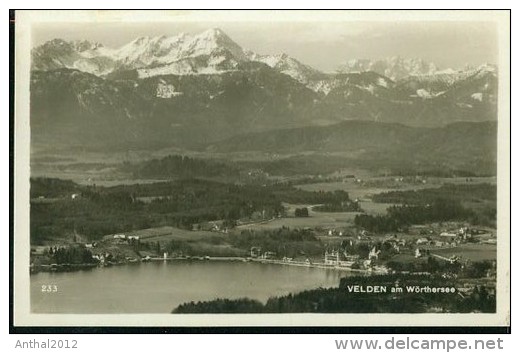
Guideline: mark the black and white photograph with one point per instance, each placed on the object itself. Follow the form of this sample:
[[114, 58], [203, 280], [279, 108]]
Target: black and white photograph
[[273, 168]]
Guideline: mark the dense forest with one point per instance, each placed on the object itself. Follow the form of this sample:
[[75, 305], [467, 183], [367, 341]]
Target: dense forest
[[176, 166], [71, 255], [52, 188], [450, 192], [282, 241], [180, 166], [400, 217], [96, 211], [349, 206], [243, 305], [474, 203]]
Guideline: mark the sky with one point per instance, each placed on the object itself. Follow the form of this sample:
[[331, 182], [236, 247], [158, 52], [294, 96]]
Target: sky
[[323, 45]]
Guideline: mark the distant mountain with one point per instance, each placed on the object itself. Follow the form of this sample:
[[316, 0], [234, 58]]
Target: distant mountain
[[426, 100], [290, 66], [356, 135], [442, 81], [208, 52], [81, 55], [464, 146], [72, 107], [187, 90], [395, 68]]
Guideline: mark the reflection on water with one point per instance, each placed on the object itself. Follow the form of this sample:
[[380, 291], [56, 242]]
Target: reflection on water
[[159, 287]]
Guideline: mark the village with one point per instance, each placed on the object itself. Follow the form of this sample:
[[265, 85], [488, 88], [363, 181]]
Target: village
[[344, 250], [378, 227]]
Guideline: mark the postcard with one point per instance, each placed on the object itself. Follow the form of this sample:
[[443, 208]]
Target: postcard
[[261, 168]]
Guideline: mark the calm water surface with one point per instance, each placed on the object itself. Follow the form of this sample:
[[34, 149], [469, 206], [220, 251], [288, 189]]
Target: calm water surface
[[159, 287]]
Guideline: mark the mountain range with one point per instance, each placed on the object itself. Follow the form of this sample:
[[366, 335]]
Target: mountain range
[[395, 68], [192, 90]]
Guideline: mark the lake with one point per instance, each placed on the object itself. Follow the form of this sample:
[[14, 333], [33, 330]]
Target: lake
[[159, 287]]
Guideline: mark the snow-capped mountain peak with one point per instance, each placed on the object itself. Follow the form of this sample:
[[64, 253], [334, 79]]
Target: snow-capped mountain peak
[[210, 40], [209, 52], [214, 52], [394, 67], [141, 53], [286, 65], [84, 45]]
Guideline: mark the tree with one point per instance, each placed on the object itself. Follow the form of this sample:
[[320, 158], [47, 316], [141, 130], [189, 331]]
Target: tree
[[301, 212]]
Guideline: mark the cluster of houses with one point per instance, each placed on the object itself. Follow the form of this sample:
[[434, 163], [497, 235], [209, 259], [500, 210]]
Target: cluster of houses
[[397, 180], [334, 232], [256, 253], [212, 226], [396, 243], [124, 239], [103, 258], [335, 258], [447, 238]]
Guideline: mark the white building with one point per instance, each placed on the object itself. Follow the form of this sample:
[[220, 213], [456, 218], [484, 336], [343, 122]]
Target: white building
[[331, 258], [374, 254]]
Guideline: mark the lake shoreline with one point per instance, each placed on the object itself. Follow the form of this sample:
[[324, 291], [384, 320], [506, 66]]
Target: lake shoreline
[[79, 267]]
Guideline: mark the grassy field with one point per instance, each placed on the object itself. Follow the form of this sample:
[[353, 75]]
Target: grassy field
[[201, 243], [165, 234], [474, 252], [366, 187], [355, 191], [325, 220], [364, 190]]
